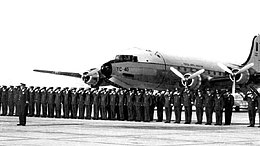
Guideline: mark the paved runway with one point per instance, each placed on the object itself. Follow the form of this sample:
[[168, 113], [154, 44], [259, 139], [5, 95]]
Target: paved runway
[[51, 131]]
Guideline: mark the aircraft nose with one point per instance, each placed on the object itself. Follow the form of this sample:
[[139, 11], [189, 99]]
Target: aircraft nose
[[106, 69]]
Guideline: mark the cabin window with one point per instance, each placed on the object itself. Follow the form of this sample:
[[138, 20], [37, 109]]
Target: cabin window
[[185, 69], [214, 73], [124, 58]]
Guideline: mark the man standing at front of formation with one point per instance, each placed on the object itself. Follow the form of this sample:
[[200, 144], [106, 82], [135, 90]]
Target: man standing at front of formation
[[187, 102], [22, 105]]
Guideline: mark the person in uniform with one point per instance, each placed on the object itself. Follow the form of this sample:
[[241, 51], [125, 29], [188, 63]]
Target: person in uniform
[[251, 99], [50, 102], [11, 100], [4, 100], [199, 100], [229, 103], [209, 106], [167, 106], [121, 102], [152, 105], [177, 103], [218, 107], [187, 102], [57, 102], [22, 105], [16, 95], [88, 103], [37, 101], [74, 107], [81, 101], [31, 101], [96, 103], [66, 102], [113, 103], [147, 103], [103, 104], [130, 104], [159, 98], [138, 104], [44, 101]]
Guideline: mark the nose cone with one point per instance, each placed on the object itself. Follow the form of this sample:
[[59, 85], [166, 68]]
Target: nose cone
[[106, 69]]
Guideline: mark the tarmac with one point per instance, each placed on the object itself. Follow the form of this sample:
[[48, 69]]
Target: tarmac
[[77, 132]]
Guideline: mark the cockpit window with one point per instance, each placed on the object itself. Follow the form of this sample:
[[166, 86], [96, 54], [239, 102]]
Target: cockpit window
[[129, 58]]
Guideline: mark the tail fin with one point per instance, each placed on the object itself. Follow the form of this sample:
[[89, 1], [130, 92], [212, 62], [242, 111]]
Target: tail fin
[[254, 56]]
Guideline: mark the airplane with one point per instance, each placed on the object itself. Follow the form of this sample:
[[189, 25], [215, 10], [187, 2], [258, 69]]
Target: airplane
[[146, 69]]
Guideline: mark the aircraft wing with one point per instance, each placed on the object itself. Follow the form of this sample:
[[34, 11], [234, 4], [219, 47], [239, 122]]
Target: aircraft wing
[[71, 74]]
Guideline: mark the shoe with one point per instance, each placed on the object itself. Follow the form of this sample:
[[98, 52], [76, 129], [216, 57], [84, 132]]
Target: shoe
[[177, 122], [158, 120], [20, 124], [208, 124], [198, 123], [258, 126], [167, 122], [187, 123], [251, 126]]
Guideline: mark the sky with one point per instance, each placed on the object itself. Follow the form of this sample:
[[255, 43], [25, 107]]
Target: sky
[[78, 35]]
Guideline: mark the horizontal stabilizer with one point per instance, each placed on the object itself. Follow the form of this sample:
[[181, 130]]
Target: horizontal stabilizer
[[71, 74]]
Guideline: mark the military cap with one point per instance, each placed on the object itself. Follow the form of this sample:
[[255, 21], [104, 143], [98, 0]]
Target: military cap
[[58, 87], [50, 88], [11, 86], [31, 86], [22, 84]]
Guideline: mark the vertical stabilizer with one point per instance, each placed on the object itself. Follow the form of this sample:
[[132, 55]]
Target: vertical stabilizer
[[254, 56]]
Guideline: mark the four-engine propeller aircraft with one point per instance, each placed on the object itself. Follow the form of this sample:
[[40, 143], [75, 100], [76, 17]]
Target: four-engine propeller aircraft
[[138, 68]]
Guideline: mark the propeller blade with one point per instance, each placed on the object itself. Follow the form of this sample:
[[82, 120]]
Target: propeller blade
[[196, 74], [245, 68], [176, 72], [225, 68], [234, 87]]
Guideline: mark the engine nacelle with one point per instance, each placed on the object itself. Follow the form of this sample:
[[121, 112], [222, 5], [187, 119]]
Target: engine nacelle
[[241, 78], [91, 77], [194, 83]]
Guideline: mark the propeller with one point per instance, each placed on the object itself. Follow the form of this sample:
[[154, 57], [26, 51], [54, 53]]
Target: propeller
[[233, 74], [185, 79]]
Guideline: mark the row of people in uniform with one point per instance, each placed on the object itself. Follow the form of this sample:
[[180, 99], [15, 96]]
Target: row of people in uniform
[[122, 104]]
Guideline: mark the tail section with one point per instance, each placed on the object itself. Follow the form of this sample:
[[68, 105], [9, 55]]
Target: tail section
[[254, 56]]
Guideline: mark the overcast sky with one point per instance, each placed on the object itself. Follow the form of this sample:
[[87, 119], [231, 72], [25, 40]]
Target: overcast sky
[[78, 35]]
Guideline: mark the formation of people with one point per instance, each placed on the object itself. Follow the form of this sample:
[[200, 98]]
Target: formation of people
[[122, 104]]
